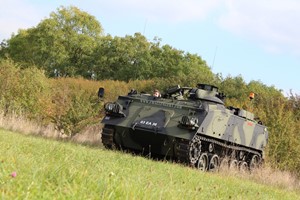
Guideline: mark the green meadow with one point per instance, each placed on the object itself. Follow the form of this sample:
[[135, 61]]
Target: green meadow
[[38, 168]]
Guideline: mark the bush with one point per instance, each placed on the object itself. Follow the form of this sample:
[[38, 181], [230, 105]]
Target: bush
[[23, 91], [74, 104]]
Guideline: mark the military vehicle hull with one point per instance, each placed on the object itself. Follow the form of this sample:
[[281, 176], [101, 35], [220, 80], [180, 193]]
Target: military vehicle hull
[[201, 132]]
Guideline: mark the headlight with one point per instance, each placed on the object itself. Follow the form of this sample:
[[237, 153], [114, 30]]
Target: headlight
[[190, 122], [114, 109], [109, 107]]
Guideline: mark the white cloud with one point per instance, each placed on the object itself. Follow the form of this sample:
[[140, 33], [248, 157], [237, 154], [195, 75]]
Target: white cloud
[[274, 24]]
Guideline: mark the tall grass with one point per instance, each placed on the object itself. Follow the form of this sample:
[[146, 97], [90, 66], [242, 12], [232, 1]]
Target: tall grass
[[18, 123], [267, 176], [35, 168]]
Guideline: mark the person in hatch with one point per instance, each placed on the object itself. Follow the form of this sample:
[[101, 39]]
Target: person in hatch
[[156, 93]]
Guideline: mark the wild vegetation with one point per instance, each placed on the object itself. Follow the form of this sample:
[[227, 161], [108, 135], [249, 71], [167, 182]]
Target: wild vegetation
[[50, 74]]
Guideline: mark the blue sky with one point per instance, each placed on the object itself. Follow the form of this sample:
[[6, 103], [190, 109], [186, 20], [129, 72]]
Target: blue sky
[[257, 39]]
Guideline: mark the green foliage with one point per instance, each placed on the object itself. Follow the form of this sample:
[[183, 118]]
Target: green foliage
[[74, 104], [117, 58], [133, 57], [34, 93], [284, 143], [23, 91], [45, 169], [294, 101], [234, 88], [61, 44], [9, 86]]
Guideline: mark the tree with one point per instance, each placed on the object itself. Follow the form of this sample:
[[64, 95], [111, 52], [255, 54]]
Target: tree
[[134, 57], [70, 43], [61, 44], [123, 58], [234, 87]]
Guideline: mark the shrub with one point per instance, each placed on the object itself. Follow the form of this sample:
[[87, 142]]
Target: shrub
[[23, 91]]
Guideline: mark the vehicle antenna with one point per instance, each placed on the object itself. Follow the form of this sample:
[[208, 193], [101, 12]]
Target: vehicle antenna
[[145, 27], [213, 62]]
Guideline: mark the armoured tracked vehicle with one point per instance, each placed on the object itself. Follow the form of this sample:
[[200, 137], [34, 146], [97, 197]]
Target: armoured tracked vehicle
[[190, 125]]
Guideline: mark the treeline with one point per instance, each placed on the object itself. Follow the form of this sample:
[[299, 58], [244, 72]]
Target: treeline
[[71, 43], [51, 74]]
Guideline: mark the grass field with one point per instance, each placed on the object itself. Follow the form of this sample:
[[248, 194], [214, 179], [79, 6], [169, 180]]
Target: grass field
[[38, 168]]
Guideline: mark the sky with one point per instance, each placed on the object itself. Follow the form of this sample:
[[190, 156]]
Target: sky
[[257, 39]]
